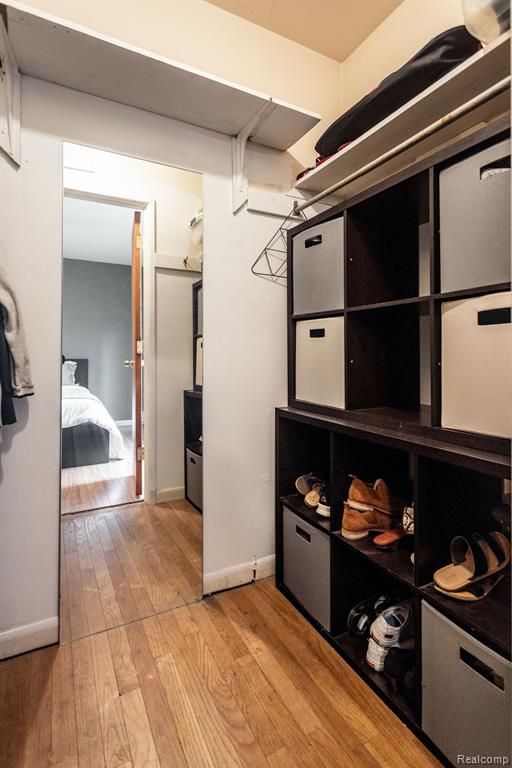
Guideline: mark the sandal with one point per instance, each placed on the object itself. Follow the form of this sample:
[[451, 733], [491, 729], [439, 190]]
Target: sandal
[[474, 592], [473, 560]]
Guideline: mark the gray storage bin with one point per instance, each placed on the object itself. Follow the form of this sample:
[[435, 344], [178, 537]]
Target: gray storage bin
[[320, 361], [318, 282], [307, 566], [474, 211], [466, 691], [194, 475]]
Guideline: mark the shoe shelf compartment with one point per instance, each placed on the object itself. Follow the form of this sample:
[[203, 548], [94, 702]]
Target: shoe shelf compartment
[[355, 581], [398, 244], [453, 493]]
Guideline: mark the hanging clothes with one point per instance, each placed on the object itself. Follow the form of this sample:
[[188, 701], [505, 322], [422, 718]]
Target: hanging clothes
[[15, 337], [7, 412]]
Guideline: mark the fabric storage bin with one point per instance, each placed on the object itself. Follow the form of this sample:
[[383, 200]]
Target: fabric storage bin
[[194, 472], [465, 691], [476, 365], [320, 361], [307, 566], [199, 362], [318, 281], [474, 211]]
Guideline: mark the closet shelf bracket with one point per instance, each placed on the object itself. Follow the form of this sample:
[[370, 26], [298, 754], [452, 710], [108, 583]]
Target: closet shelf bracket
[[239, 155], [10, 98]]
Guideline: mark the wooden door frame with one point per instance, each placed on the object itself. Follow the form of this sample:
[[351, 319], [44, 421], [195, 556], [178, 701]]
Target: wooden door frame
[[147, 209]]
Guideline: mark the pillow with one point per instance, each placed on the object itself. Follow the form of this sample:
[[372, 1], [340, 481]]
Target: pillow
[[68, 372]]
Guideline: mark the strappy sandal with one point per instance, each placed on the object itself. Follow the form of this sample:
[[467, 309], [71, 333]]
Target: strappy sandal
[[312, 499], [473, 560], [474, 592]]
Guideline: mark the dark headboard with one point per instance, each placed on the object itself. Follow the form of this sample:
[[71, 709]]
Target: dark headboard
[[82, 370]]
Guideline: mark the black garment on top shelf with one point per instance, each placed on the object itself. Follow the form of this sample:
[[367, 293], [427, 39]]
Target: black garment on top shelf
[[7, 406]]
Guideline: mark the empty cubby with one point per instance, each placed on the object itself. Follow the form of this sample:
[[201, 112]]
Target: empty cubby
[[388, 243], [388, 354]]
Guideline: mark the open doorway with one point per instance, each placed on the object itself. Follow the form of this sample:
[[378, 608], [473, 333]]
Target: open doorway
[[132, 331], [101, 357]]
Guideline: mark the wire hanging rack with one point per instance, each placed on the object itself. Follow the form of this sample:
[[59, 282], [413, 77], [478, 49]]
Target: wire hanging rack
[[271, 263]]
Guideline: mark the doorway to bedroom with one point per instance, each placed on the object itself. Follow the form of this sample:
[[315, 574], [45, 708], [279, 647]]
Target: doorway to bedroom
[[102, 414]]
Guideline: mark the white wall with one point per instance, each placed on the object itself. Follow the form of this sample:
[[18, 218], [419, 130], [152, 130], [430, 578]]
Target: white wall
[[177, 196], [244, 355], [407, 29]]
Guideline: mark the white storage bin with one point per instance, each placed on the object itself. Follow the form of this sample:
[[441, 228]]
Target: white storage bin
[[474, 211], [199, 362], [318, 268], [320, 362], [466, 696], [477, 365]]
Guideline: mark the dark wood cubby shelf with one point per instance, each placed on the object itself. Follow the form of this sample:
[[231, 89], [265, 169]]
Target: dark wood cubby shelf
[[295, 502], [396, 563], [391, 425], [353, 649]]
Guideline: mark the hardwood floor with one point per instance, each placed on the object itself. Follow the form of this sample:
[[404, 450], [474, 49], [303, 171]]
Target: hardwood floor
[[240, 679], [100, 485], [127, 563]]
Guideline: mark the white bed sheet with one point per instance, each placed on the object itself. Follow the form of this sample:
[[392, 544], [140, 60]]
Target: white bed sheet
[[79, 406]]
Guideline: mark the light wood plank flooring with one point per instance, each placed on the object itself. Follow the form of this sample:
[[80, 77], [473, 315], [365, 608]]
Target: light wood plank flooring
[[238, 680], [127, 563], [100, 485]]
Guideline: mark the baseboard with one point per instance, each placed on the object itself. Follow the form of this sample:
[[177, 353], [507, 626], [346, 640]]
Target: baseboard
[[238, 575], [124, 423], [169, 494], [29, 637]]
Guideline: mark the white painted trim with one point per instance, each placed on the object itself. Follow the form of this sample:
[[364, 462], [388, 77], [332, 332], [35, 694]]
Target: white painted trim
[[10, 99], [238, 575], [169, 494], [28, 637], [124, 423], [149, 369], [265, 567]]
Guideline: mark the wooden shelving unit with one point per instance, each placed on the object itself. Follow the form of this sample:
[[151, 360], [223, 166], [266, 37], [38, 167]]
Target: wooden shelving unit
[[466, 81], [391, 424]]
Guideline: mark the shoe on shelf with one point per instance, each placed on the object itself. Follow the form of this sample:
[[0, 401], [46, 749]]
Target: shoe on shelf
[[408, 520], [389, 539], [323, 509], [357, 524], [312, 499], [376, 655], [305, 483], [365, 497], [389, 625], [364, 613]]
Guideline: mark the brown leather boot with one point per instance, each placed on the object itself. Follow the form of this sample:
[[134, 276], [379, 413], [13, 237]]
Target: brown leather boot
[[365, 497], [356, 524]]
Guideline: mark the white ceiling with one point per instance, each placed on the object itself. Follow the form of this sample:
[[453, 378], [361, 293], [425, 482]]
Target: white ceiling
[[332, 27], [97, 231]]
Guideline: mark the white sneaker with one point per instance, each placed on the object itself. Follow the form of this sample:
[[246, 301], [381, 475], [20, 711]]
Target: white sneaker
[[389, 625], [376, 655]]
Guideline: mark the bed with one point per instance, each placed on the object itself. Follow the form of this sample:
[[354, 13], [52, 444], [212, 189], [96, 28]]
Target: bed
[[89, 434]]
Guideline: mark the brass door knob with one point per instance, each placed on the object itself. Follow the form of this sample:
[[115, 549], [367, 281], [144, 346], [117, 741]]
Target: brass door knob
[[129, 363]]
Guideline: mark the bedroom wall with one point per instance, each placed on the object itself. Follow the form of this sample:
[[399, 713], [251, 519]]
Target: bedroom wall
[[96, 324], [244, 356], [222, 44], [407, 29]]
